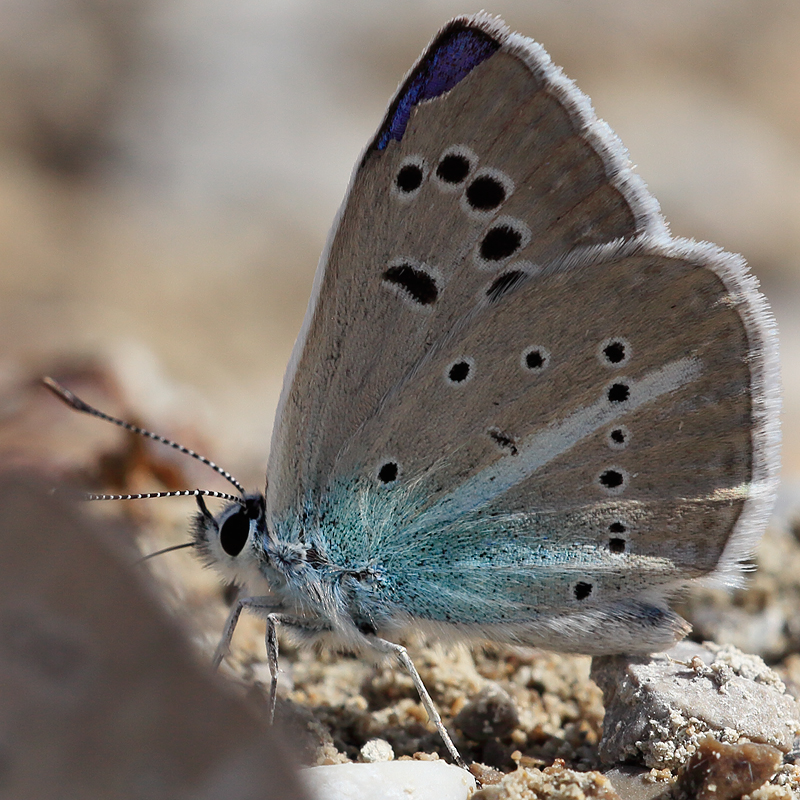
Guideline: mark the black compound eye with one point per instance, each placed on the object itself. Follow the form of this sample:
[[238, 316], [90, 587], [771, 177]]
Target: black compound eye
[[234, 532]]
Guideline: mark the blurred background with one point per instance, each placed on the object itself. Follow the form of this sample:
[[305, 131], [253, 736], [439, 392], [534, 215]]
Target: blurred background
[[169, 171]]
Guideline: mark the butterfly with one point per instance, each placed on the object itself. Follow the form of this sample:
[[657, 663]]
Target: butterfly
[[518, 410]]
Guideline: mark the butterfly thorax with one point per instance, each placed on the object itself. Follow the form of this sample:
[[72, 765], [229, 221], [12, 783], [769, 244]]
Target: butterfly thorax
[[293, 565]]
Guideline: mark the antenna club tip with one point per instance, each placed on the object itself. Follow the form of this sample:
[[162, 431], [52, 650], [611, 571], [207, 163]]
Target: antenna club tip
[[63, 394], [52, 385]]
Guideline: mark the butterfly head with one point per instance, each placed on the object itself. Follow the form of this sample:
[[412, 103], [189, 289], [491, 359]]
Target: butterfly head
[[232, 540]]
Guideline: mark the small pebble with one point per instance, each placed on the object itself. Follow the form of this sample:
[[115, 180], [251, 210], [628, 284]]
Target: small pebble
[[726, 771], [377, 750], [490, 714]]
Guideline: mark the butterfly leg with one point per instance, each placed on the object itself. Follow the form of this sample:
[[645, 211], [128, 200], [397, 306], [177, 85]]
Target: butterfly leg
[[271, 640], [259, 603], [401, 654]]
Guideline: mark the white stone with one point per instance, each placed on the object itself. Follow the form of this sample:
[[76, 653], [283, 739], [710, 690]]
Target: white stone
[[377, 750], [391, 780]]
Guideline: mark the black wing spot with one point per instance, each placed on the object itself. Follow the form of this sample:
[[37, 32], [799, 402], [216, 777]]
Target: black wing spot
[[535, 358], [409, 178], [485, 193], [612, 479], [582, 590], [616, 544], [505, 283], [388, 472], [500, 242], [459, 371], [614, 352], [619, 393], [415, 283], [453, 168], [504, 441], [617, 436]]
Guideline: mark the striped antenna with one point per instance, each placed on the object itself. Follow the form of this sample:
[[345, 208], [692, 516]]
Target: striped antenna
[[67, 397], [180, 493]]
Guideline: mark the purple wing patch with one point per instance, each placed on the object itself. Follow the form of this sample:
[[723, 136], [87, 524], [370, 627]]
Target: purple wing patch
[[449, 60]]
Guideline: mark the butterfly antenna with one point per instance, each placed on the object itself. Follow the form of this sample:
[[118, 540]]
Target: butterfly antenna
[[67, 397]]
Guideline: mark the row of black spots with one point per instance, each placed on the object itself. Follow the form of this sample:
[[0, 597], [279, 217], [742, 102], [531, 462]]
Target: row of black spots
[[617, 539], [614, 352], [416, 283], [462, 370], [504, 239], [617, 544], [484, 190]]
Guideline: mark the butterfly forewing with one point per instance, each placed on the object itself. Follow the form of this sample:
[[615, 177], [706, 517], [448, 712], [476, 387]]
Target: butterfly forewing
[[382, 228]]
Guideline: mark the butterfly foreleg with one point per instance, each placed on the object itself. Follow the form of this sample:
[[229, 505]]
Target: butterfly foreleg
[[266, 603]]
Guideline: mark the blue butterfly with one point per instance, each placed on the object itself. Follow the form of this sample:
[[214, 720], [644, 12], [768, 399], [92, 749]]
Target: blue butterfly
[[518, 409]]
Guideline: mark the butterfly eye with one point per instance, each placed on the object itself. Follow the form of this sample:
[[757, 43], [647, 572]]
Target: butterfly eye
[[234, 533]]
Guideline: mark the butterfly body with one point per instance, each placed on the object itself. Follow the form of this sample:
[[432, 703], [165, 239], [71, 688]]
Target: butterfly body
[[518, 409]]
